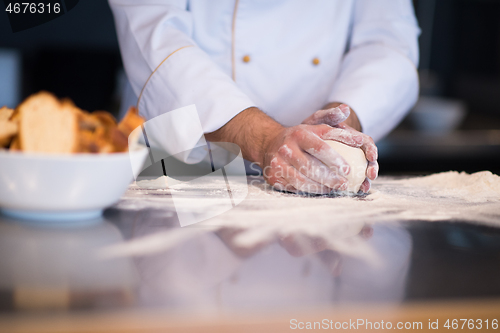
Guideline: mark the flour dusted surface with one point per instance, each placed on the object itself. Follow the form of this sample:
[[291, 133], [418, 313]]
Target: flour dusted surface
[[154, 184], [478, 187], [448, 196], [267, 214]]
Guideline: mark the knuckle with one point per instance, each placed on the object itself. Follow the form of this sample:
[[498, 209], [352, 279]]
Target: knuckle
[[298, 133], [317, 114]]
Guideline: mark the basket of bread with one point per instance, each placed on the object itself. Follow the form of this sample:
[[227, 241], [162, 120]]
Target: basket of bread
[[58, 162]]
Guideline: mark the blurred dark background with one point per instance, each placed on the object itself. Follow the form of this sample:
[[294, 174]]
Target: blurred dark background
[[75, 55], [454, 126]]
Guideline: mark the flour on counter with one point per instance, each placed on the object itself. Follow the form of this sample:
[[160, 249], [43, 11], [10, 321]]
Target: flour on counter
[[448, 196], [158, 183], [481, 186], [268, 214]]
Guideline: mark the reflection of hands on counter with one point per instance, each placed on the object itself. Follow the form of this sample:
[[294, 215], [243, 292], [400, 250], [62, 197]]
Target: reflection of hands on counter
[[297, 244], [215, 268]]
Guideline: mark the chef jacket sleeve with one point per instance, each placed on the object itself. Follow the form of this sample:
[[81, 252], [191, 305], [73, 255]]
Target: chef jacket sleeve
[[168, 71], [378, 77]]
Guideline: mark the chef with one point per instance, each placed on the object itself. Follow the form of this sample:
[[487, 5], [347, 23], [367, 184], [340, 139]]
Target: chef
[[275, 77]]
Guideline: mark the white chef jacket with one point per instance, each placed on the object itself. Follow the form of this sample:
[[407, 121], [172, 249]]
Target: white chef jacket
[[287, 57]]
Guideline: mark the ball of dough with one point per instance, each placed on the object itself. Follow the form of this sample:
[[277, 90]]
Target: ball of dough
[[356, 159]]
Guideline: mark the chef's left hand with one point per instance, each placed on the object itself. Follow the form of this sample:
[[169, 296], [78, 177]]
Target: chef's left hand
[[341, 116]]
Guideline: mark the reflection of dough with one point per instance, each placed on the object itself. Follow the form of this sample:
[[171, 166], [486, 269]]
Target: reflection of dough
[[356, 159]]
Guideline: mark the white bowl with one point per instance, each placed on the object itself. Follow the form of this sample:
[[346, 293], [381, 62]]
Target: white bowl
[[437, 115], [64, 187]]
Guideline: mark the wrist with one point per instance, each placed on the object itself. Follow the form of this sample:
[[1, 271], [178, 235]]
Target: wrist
[[252, 130], [270, 130]]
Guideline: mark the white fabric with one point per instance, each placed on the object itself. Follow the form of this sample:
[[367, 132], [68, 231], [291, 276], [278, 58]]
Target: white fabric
[[162, 145], [367, 51]]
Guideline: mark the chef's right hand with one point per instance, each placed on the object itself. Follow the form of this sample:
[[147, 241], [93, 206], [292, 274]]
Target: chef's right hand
[[294, 159], [297, 159]]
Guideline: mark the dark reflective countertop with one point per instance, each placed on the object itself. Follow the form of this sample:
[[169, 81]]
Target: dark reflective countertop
[[142, 259]]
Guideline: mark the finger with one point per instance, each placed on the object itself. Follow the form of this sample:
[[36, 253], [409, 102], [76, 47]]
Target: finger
[[365, 186], [370, 149], [367, 144], [372, 170], [286, 178], [345, 136], [281, 168], [311, 142], [282, 185], [274, 176], [299, 245], [228, 235], [332, 116], [312, 168], [303, 184]]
